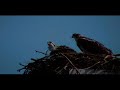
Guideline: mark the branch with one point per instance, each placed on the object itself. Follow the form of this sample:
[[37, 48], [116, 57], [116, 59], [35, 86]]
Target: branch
[[21, 64], [41, 52], [33, 59], [70, 62], [62, 68], [92, 65], [21, 69], [116, 55]]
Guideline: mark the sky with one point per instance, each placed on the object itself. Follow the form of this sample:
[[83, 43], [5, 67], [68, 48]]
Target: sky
[[21, 35]]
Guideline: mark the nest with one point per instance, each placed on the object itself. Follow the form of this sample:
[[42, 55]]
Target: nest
[[72, 63]]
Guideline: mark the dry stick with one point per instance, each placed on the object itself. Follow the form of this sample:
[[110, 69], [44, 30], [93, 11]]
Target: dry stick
[[21, 64], [41, 52], [33, 59], [116, 54], [92, 65], [107, 62], [20, 69], [70, 63], [112, 59], [62, 68]]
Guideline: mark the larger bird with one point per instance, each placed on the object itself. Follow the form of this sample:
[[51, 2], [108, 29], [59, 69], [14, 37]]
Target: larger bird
[[91, 46], [88, 45]]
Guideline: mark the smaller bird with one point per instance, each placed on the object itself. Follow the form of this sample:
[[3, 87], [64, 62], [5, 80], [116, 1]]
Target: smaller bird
[[51, 46], [91, 46], [59, 49]]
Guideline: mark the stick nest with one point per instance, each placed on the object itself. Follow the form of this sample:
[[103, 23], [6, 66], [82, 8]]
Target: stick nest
[[71, 63]]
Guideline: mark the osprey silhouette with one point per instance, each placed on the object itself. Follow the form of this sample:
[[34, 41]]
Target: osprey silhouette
[[91, 46], [88, 45]]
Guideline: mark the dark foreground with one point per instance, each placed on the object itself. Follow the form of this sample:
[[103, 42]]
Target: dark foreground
[[60, 81]]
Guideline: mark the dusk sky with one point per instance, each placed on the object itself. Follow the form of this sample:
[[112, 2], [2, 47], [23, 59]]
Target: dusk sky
[[21, 35]]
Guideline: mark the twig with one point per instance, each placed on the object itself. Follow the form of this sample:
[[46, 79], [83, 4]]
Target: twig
[[107, 62], [33, 59], [20, 69], [41, 52], [21, 64], [116, 55], [92, 65], [70, 62], [62, 68]]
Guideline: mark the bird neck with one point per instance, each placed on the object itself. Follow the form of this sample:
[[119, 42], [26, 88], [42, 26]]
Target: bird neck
[[76, 39]]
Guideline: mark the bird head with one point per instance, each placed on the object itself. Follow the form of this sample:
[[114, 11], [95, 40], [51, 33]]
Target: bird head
[[51, 46], [75, 35]]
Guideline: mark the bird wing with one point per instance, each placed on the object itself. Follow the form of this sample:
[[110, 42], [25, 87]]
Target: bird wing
[[93, 42], [94, 45]]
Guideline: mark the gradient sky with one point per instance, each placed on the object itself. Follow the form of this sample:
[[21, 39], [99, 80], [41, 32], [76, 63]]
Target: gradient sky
[[20, 36]]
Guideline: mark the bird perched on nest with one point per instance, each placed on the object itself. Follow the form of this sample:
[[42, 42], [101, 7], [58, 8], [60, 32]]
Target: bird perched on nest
[[59, 49], [90, 46]]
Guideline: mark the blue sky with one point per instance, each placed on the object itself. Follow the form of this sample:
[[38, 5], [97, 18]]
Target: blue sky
[[21, 35]]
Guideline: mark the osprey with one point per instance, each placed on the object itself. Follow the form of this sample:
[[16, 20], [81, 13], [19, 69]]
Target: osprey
[[59, 49], [87, 45]]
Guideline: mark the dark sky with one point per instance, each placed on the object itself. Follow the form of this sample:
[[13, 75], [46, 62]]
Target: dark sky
[[20, 36]]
